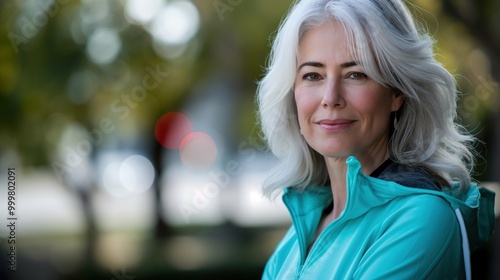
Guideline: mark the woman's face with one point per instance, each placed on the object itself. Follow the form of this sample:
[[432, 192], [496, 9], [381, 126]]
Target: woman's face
[[341, 111]]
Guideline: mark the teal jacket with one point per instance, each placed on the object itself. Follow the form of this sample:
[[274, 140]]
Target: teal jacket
[[386, 231]]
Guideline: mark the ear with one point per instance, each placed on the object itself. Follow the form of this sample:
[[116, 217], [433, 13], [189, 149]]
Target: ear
[[397, 101]]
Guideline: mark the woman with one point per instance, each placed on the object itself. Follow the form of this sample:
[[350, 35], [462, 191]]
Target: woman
[[374, 170]]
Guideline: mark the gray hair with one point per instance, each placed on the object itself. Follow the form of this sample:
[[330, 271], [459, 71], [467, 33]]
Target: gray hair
[[392, 51]]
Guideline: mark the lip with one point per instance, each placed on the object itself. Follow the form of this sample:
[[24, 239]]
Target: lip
[[335, 125]]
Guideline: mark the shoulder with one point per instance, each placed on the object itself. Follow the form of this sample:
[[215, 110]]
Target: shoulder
[[409, 176], [427, 217], [424, 207], [422, 232]]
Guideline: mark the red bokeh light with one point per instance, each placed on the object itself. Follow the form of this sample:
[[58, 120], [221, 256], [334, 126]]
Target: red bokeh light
[[171, 128]]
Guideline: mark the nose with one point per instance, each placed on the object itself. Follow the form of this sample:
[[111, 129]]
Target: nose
[[333, 97]]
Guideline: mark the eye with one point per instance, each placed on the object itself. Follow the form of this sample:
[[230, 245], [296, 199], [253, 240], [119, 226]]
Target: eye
[[358, 76], [311, 77]]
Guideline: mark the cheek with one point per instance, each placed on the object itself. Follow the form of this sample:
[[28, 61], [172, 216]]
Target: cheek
[[306, 102], [304, 109], [372, 102], [367, 106]]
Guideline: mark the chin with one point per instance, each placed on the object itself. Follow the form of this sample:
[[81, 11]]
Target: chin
[[334, 153], [332, 150]]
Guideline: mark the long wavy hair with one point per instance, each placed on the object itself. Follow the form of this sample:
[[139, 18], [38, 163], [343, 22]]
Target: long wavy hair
[[394, 52]]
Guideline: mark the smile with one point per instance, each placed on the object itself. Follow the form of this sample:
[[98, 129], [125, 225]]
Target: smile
[[335, 125]]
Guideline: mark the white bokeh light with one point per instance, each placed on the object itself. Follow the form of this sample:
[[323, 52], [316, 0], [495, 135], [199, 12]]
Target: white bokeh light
[[137, 174], [104, 45], [142, 11], [176, 23], [111, 180], [169, 51]]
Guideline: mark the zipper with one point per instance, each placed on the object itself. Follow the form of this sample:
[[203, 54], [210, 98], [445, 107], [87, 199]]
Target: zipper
[[317, 247], [304, 257]]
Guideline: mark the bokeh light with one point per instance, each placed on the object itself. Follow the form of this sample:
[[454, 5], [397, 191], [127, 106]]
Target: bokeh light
[[137, 174], [169, 51], [124, 174], [111, 180], [198, 150], [171, 128], [99, 196], [103, 45], [176, 23], [142, 12]]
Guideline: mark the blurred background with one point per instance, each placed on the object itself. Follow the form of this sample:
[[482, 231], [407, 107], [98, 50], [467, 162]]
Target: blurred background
[[131, 127]]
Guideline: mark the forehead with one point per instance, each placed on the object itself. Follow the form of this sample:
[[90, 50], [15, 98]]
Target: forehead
[[327, 40]]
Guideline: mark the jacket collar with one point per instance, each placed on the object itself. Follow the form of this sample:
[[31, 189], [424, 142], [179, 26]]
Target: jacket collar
[[365, 192]]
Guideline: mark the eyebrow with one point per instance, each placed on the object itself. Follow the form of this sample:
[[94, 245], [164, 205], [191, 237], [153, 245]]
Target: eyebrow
[[321, 65]]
